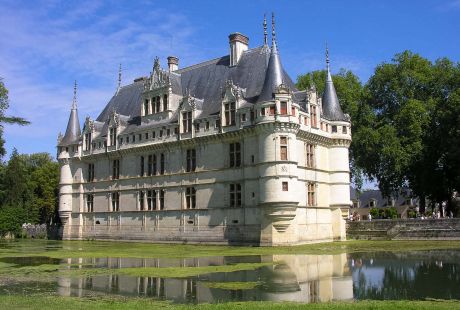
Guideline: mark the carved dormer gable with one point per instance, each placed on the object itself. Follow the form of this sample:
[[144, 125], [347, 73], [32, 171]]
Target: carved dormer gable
[[88, 134], [159, 78], [88, 126], [114, 119], [232, 98]]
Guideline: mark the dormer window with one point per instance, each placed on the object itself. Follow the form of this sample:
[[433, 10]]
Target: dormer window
[[112, 136], [165, 102], [158, 103], [146, 107], [313, 116], [283, 107], [372, 203], [334, 129], [229, 112], [87, 141], [186, 121]]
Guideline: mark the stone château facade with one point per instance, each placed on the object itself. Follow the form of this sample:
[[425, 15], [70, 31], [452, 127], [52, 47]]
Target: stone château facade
[[224, 151]]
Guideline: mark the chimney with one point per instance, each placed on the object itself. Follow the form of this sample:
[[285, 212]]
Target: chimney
[[173, 63], [238, 44]]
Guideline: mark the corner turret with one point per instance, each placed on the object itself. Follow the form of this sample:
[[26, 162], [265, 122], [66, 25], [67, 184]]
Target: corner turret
[[330, 101]]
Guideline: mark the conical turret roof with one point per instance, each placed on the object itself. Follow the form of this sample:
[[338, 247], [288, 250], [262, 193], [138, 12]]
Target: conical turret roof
[[331, 105], [72, 133]]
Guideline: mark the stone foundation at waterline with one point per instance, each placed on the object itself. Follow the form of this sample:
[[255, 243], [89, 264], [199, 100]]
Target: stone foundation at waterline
[[428, 229]]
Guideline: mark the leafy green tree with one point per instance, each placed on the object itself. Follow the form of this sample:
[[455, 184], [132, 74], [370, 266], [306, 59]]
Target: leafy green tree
[[4, 119]]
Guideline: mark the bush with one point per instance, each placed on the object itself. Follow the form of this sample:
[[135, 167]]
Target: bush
[[11, 219], [374, 212], [391, 213]]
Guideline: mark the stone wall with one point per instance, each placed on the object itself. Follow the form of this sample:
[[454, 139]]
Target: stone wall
[[410, 229]]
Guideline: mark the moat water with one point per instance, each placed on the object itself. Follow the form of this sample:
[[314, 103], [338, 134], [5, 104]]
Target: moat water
[[300, 278]]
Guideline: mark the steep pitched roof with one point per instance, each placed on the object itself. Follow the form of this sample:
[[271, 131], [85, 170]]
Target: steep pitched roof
[[273, 75], [205, 81], [331, 105], [72, 133]]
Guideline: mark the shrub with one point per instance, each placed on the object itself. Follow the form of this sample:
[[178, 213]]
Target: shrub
[[11, 219]]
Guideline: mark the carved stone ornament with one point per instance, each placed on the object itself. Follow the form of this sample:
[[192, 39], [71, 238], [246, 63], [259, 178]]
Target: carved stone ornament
[[283, 89]]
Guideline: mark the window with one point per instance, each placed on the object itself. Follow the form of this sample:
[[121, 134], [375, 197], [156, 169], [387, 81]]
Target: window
[[127, 139], [217, 123], [243, 117], [235, 154], [158, 103], [372, 203], [146, 107], [165, 102], [161, 133], [235, 195], [151, 200], [207, 125], [283, 107], [141, 200], [262, 111], [162, 199], [334, 129], [272, 110], [152, 105], [285, 186], [140, 137], [87, 141], [283, 148], [89, 203], [162, 164], [252, 115], [313, 122], [229, 113], [168, 132], [293, 111], [153, 134], [311, 195], [186, 121], [146, 135], [190, 198], [116, 169], [310, 151], [191, 160], [116, 202], [197, 127], [142, 166], [120, 141], [152, 165], [113, 136], [133, 138], [344, 129], [90, 172]]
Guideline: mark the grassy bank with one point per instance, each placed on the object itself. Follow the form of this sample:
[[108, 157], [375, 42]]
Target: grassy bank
[[52, 302], [75, 249]]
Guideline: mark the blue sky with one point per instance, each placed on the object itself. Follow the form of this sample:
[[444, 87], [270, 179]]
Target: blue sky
[[46, 45]]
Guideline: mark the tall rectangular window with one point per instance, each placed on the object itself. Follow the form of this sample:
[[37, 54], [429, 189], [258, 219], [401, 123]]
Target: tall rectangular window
[[229, 113], [310, 151], [235, 154], [151, 200], [87, 141], [162, 164], [115, 201], [313, 121], [152, 105], [90, 172], [113, 136], [283, 107], [152, 165], [311, 194], [334, 129], [272, 110], [283, 148], [158, 104], [235, 195], [186, 121], [142, 170], [165, 102], [89, 203], [115, 169], [146, 107], [191, 160], [190, 197], [162, 199], [141, 201], [293, 111]]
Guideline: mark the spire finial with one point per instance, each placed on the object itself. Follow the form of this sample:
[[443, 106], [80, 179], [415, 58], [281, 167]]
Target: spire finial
[[119, 79], [265, 30], [273, 28], [74, 101], [327, 57]]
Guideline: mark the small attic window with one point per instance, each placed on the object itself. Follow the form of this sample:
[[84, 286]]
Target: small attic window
[[344, 129], [334, 129]]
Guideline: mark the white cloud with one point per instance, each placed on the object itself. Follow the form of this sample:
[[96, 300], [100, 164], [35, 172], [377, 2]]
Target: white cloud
[[52, 43]]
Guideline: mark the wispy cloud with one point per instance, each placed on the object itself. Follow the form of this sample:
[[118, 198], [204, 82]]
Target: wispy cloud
[[52, 43]]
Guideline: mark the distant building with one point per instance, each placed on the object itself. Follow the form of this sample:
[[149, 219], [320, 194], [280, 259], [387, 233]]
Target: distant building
[[224, 151], [368, 199]]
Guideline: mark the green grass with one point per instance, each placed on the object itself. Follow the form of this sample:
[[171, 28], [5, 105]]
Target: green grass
[[76, 249], [69, 303], [232, 285]]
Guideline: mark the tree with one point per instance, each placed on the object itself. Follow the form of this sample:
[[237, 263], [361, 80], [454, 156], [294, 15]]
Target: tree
[[4, 104]]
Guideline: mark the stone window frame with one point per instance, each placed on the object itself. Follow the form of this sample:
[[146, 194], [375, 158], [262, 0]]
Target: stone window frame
[[235, 195], [190, 160], [234, 151], [190, 198], [90, 202], [284, 148], [311, 194], [310, 152]]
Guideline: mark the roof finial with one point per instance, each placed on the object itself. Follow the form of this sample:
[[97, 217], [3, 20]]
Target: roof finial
[[273, 28], [119, 79], [74, 101], [265, 30], [327, 57]]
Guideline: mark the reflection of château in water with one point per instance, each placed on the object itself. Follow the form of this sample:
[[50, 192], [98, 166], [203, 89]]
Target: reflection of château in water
[[300, 278]]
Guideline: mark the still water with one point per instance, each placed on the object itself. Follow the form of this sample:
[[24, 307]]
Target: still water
[[298, 278]]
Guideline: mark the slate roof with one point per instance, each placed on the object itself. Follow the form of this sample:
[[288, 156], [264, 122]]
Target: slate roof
[[331, 106], [205, 81], [368, 195], [72, 133]]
